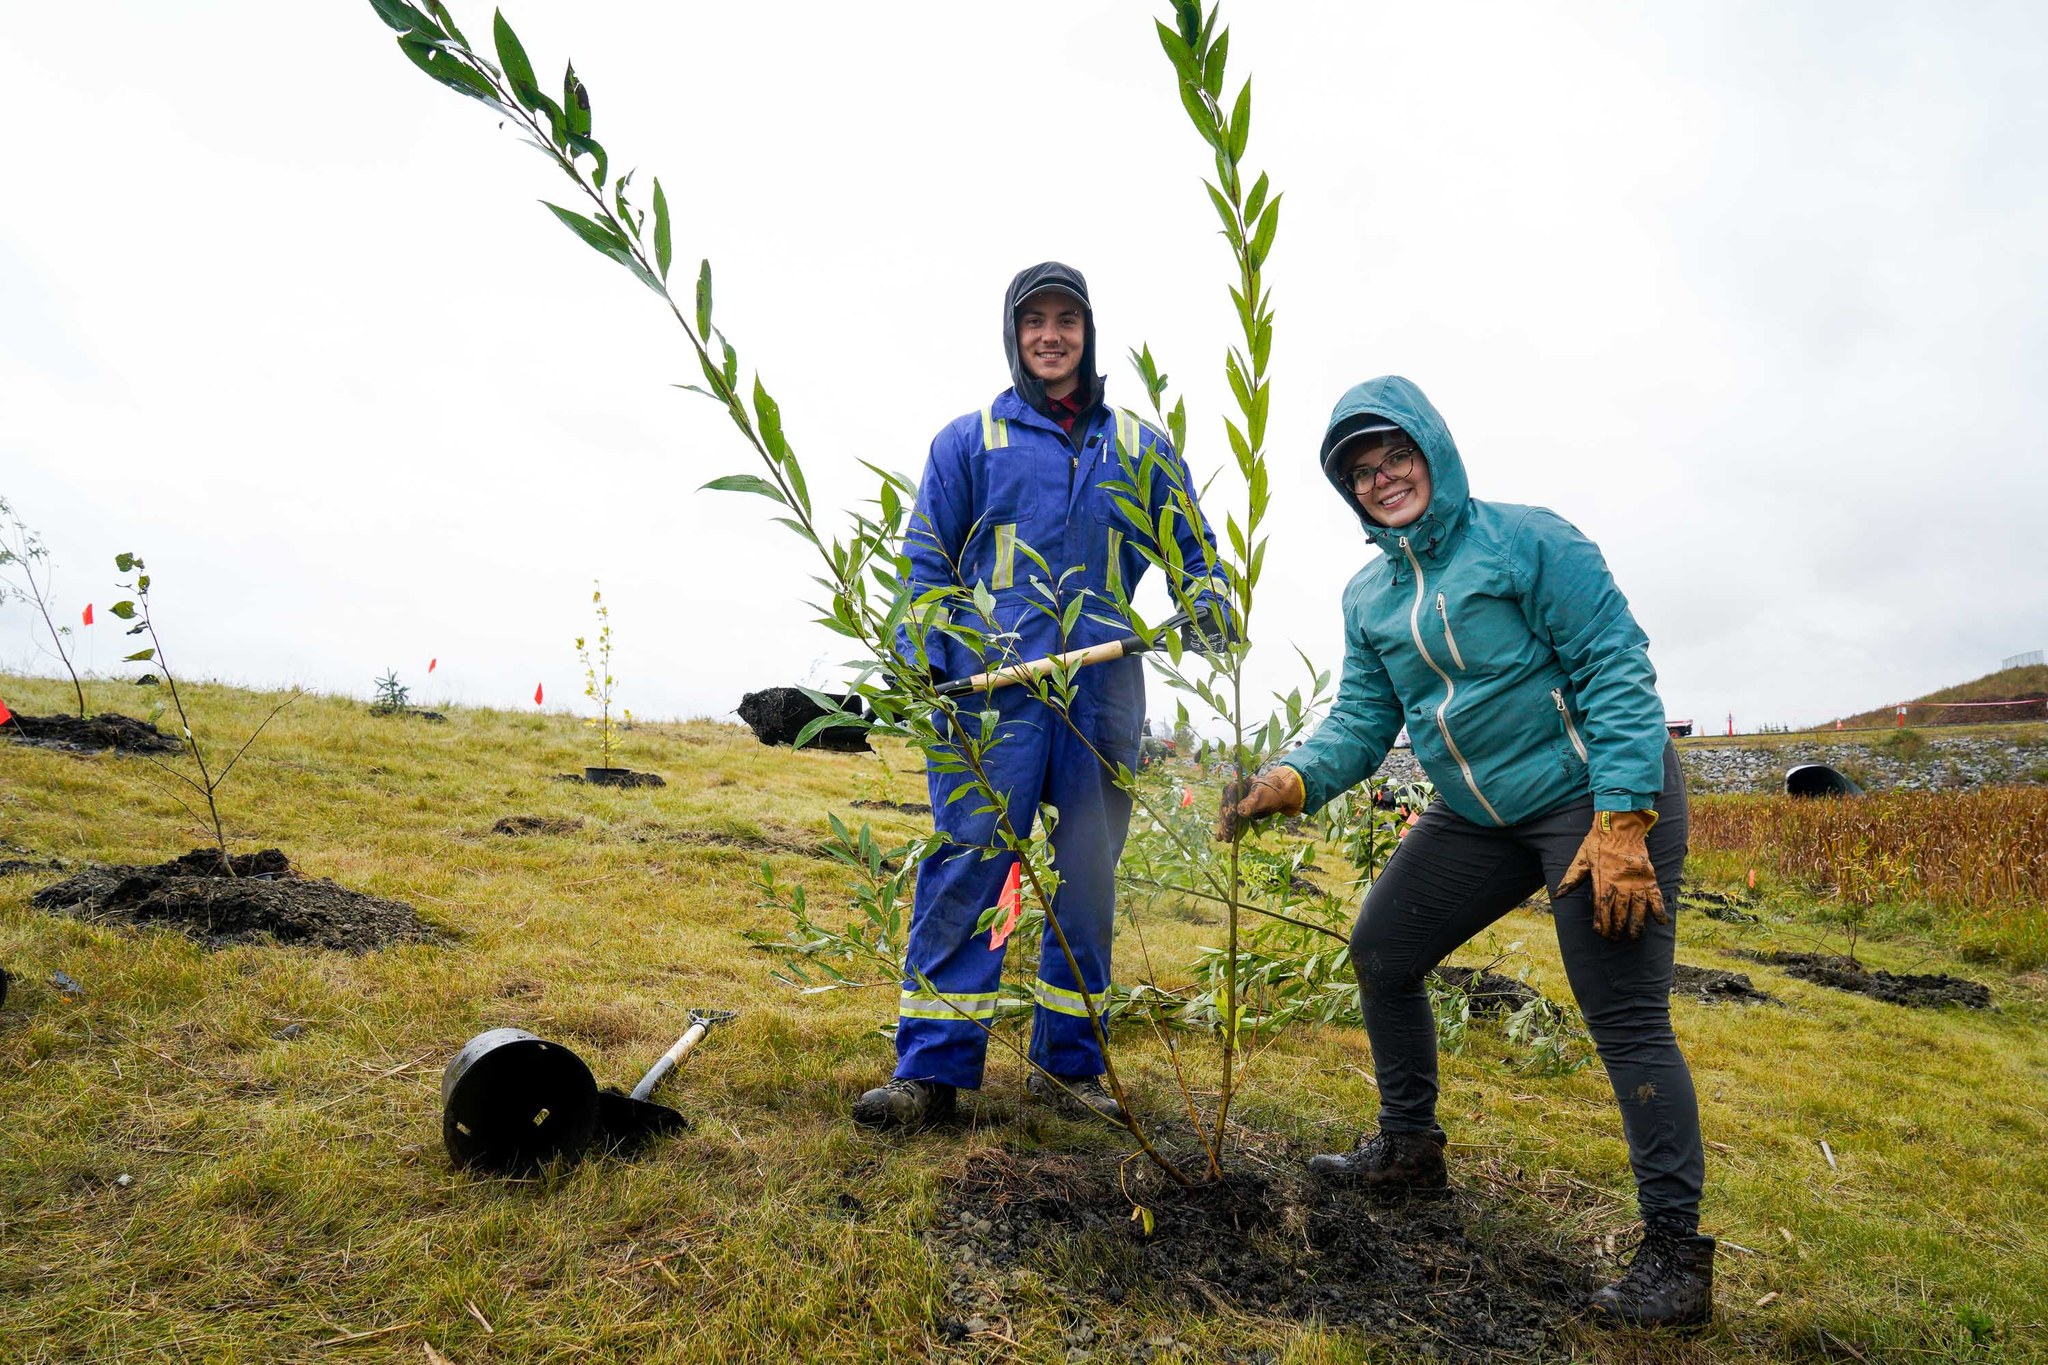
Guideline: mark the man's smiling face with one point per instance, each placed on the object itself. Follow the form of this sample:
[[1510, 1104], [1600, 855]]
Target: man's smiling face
[[1052, 330]]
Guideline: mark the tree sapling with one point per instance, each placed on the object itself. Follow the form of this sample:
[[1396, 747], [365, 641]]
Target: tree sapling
[[31, 583]]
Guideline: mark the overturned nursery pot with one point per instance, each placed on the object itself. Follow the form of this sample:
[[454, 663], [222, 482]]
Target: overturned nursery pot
[[1818, 779], [621, 777], [511, 1101]]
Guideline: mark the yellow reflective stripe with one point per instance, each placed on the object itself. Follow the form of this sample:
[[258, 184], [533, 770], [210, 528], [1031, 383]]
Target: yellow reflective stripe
[[941, 616], [1006, 554], [995, 431], [1060, 1000], [1114, 576], [921, 1004], [1127, 432]]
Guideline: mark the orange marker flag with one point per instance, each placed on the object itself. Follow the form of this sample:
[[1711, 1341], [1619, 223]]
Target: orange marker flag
[[88, 613], [1012, 905], [536, 694], [431, 663], [5, 714], [1187, 797]]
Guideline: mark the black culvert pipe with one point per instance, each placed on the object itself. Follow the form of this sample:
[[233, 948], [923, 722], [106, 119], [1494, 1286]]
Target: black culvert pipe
[[1818, 779]]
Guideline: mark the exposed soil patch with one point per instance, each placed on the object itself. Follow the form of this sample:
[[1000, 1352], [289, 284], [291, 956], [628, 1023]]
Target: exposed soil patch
[[13, 866], [81, 735], [1490, 992], [776, 841], [1715, 987], [261, 899], [1440, 1273], [907, 807], [414, 712], [1917, 991], [620, 778], [538, 824], [777, 715], [1716, 905]]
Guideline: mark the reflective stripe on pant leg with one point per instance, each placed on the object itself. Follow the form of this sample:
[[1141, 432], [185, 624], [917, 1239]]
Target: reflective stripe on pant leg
[[1060, 1000], [925, 1004]]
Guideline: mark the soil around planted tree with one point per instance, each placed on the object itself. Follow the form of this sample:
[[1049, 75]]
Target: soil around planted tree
[[412, 712], [1442, 1274], [87, 735], [1916, 991], [1489, 992], [620, 777], [905, 807], [258, 897], [777, 715], [538, 824], [1715, 987], [1716, 905]]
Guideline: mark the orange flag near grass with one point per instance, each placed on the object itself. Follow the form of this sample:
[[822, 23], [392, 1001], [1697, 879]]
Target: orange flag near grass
[[536, 694], [5, 714], [1011, 902], [431, 663], [88, 613]]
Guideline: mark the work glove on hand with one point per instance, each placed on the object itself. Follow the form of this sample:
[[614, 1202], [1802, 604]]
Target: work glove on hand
[[1616, 855], [1207, 636], [1277, 791]]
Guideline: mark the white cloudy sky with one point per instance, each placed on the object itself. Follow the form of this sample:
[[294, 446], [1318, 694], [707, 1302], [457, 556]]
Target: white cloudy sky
[[1752, 293]]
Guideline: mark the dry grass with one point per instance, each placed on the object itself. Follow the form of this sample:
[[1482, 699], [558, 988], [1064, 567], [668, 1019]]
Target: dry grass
[[290, 1193], [1978, 858]]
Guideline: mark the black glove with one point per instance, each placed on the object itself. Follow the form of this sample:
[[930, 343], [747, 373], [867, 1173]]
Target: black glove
[[1208, 636]]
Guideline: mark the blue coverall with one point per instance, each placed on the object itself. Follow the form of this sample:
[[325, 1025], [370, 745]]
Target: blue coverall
[[1005, 475]]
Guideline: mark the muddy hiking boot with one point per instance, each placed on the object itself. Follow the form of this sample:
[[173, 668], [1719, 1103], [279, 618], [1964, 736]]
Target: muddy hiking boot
[[1669, 1283], [1082, 1097], [905, 1104], [1392, 1162]]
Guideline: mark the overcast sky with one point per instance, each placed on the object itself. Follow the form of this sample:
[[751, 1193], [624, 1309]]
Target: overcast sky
[[1753, 294]]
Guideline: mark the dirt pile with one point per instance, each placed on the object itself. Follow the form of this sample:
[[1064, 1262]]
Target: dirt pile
[[1713, 987], [1490, 992], [1915, 991], [538, 824], [777, 715], [79, 734], [1434, 1273], [255, 897]]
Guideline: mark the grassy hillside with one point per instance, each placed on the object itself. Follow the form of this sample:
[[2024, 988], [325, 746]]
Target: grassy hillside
[[2008, 684], [286, 1196]]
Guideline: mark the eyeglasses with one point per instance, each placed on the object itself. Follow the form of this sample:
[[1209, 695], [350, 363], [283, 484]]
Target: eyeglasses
[[1397, 465]]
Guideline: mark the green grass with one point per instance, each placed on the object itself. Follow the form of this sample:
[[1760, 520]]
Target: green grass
[[2005, 685], [288, 1193]]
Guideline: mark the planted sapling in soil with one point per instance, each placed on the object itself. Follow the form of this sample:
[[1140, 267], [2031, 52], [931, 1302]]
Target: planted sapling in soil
[[598, 684], [394, 698]]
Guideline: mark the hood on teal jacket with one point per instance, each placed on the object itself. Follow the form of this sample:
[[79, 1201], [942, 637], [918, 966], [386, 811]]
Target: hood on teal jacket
[[1495, 633]]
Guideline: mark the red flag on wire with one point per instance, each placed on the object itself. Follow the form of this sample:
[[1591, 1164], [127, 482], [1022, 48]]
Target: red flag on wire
[[5, 714], [1187, 797], [1011, 903], [536, 694], [431, 663], [88, 613]]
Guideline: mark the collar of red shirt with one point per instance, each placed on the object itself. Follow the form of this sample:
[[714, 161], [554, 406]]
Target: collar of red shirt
[[1066, 411]]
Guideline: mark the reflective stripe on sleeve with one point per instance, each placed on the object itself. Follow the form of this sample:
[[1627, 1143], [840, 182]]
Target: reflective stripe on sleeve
[[995, 431]]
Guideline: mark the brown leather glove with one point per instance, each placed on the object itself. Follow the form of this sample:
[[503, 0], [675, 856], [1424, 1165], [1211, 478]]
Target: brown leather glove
[[1277, 791], [1616, 855]]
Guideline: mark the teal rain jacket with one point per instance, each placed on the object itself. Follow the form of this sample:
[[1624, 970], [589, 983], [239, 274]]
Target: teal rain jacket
[[1497, 635]]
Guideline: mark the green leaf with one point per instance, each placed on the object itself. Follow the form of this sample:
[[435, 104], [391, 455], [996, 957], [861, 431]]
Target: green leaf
[[140, 656], [125, 562], [769, 415], [746, 483], [582, 145], [518, 70], [457, 75], [662, 250], [1212, 65], [1198, 113], [575, 102], [124, 610], [1262, 239], [403, 17], [704, 307], [447, 20], [1224, 211], [1253, 202], [1177, 51], [824, 722], [599, 236], [1241, 121]]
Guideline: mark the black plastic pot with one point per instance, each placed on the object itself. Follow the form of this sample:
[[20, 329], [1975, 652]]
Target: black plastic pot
[[607, 777], [1818, 779], [511, 1101]]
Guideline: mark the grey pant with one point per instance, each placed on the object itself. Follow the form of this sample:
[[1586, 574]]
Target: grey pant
[[1450, 879]]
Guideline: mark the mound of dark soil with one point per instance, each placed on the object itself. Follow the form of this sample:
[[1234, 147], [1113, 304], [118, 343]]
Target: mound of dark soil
[[256, 897], [413, 711], [1715, 987], [907, 807], [13, 866], [1916, 991], [619, 778], [80, 735], [1490, 992], [538, 824], [777, 715], [1437, 1273]]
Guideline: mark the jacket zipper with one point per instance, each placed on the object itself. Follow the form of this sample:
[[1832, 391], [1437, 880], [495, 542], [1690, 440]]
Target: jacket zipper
[[1571, 730], [1449, 638], [1450, 688]]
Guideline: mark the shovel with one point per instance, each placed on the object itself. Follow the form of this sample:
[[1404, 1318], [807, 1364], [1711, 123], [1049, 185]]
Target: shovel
[[1106, 652], [624, 1122]]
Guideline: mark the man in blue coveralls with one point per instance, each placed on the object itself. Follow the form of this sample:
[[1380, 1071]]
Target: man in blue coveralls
[[1029, 471]]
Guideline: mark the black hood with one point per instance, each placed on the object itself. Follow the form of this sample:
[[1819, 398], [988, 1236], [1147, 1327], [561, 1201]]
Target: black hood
[[1027, 283]]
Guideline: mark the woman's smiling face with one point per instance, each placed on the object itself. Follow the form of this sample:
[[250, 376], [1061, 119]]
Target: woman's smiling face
[[1389, 477]]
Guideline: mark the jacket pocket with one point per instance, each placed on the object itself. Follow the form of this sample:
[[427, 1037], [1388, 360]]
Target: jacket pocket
[[1443, 614], [1571, 731]]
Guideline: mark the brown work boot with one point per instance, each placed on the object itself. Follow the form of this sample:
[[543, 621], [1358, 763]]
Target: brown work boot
[[905, 1104], [1669, 1283], [1082, 1097], [1388, 1161]]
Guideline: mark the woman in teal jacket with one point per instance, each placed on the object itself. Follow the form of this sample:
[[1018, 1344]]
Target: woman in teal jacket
[[1495, 633]]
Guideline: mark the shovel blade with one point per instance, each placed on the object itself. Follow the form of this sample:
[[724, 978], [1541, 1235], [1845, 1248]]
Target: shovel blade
[[625, 1124]]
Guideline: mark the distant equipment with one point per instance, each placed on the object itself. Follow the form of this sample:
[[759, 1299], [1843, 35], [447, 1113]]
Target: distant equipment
[[2026, 660], [1679, 728]]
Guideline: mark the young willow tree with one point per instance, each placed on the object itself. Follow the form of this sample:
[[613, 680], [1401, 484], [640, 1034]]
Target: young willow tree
[[862, 567]]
